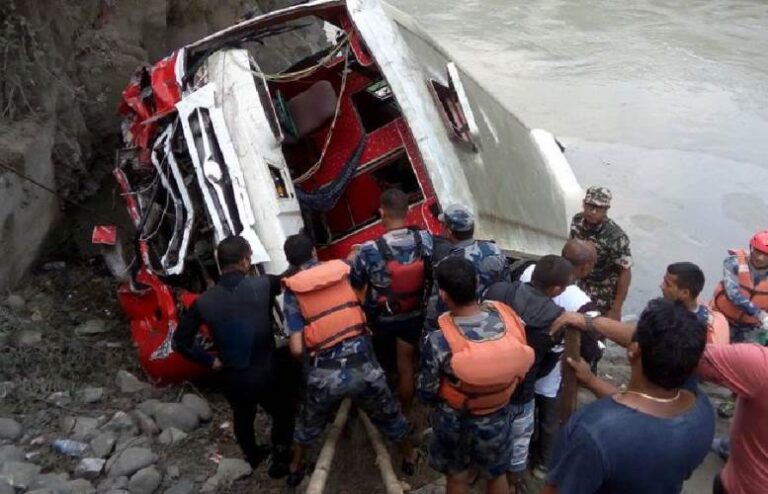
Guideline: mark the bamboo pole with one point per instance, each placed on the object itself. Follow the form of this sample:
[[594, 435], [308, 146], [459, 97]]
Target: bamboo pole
[[325, 458], [570, 383], [383, 460]]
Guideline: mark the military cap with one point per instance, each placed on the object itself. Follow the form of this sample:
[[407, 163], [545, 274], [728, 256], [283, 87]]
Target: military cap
[[598, 196], [457, 218]]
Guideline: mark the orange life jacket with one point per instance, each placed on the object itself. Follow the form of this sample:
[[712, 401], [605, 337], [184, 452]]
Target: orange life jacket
[[328, 303], [488, 371], [757, 294], [406, 290], [718, 330]]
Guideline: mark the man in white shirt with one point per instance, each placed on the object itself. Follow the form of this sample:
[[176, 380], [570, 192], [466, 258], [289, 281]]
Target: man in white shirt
[[582, 255]]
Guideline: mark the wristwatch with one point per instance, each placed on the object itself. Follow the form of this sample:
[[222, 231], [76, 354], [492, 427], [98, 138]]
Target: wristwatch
[[589, 318]]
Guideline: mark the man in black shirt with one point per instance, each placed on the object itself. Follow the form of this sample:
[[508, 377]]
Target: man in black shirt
[[533, 303], [238, 313]]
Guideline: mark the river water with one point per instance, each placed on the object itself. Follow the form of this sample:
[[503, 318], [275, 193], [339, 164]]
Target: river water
[[664, 102]]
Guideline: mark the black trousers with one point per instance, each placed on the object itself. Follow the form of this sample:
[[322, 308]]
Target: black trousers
[[271, 389], [717, 487], [545, 429]]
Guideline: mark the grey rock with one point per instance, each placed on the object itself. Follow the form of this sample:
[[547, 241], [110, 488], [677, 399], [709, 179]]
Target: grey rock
[[79, 486], [28, 337], [172, 472], [121, 423], [199, 405], [103, 444], [176, 415], [9, 429], [145, 481], [15, 302], [184, 486], [171, 436], [6, 488], [89, 468], [130, 461], [81, 428], [229, 470], [50, 481], [19, 474], [113, 484], [6, 389], [10, 453], [146, 424], [117, 491], [91, 327], [91, 395], [60, 398], [128, 383], [148, 406]]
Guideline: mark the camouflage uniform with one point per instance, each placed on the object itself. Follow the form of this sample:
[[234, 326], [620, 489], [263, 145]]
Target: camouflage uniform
[[613, 252], [326, 388], [490, 264], [370, 268], [743, 332], [462, 441]]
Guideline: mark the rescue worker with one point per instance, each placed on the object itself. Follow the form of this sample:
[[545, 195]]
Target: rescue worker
[[327, 329], [395, 270], [469, 370], [490, 264], [608, 283], [533, 303], [742, 295], [237, 311]]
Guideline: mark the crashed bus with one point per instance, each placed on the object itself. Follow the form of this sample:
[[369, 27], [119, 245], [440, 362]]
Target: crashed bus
[[222, 139]]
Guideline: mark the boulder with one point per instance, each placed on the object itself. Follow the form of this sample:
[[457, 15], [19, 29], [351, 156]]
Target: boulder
[[89, 468], [176, 415], [199, 405], [103, 444], [171, 436], [145, 481], [10, 453], [19, 474], [130, 461], [128, 383], [184, 486], [91, 395], [9, 429], [146, 424]]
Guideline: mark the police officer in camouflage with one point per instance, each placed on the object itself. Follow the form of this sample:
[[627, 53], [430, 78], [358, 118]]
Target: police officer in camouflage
[[608, 284], [326, 329], [472, 427], [396, 322], [490, 264]]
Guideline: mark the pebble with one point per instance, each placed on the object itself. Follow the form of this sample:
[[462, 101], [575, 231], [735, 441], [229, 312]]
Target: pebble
[[19, 474], [130, 461], [176, 415], [229, 470], [199, 405], [10, 453], [6, 488], [103, 444], [184, 486], [91, 395], [171, 436], [91, 327], [146, 424], [89, 468], [128, 383], [15, 302], [145, 481], [28, 337], [9, 429]]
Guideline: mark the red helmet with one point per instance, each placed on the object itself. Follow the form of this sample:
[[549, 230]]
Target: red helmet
[[760, 241]]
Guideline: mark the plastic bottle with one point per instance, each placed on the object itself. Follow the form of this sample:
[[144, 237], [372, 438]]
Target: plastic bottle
[[69, 447]]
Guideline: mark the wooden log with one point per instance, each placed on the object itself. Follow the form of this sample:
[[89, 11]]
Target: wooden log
[[383, 460], [570, 390], [325, 458]]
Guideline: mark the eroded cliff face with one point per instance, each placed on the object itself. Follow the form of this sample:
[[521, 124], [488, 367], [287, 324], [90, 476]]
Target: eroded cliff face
[[63, 65]]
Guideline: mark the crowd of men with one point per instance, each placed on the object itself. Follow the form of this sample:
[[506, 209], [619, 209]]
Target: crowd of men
[[442, 319]]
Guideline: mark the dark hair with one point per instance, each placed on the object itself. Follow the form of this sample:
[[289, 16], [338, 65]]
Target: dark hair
[[458, 278], [232, 250], [465, 235], [689, 276], [395, 202], [579, 252], [552, 271], [298, 249], [671, 340]]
